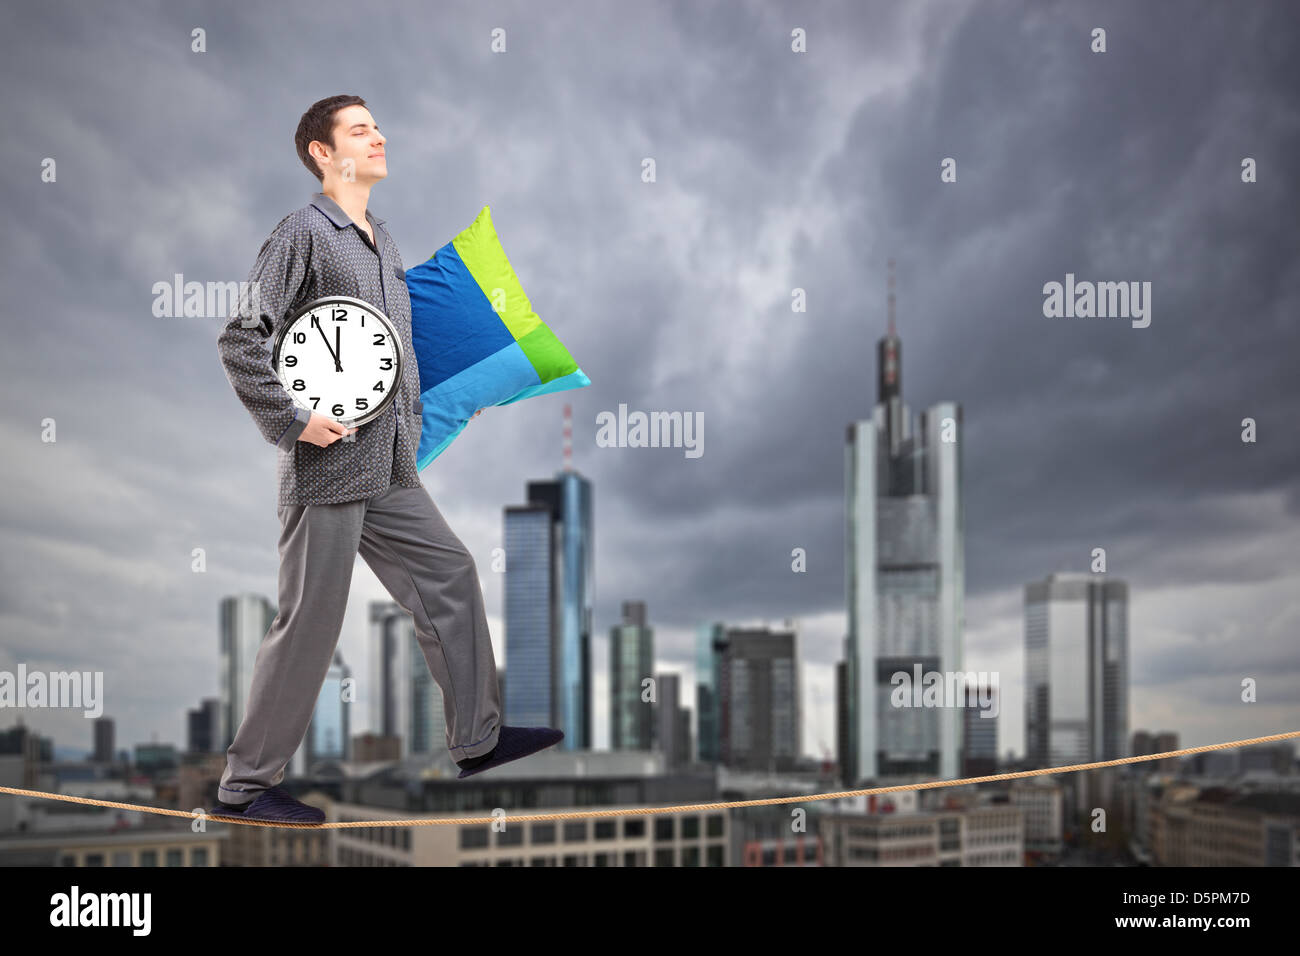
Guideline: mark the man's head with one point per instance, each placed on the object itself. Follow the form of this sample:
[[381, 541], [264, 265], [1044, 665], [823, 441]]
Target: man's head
[[339, 139]]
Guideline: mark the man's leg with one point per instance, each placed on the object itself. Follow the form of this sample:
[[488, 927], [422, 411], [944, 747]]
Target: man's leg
[[318, 548], [430, 574]]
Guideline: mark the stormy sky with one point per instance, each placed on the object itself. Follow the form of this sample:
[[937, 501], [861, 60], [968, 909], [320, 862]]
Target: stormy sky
[[775, 171]]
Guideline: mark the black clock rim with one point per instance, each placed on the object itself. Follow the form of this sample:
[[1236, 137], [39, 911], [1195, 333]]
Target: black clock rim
[[390, 398]]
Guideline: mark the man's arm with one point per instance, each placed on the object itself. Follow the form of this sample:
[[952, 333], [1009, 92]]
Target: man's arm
[[244, 343]]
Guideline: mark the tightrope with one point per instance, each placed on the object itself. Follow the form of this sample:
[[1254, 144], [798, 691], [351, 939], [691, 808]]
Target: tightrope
[[647, 811]]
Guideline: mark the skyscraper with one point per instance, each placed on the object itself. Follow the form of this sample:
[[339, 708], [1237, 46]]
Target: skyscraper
[[631, 660], [204, 726], [405, 700], [904, 575], [1076, 669], [328, 733], [758, 700], [710, 639], [549, 591], [244, 621], [672, 723], [980, 735], [103, 740]]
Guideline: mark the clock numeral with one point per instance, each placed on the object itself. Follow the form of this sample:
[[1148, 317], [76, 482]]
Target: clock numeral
[[291, 360], [388, 363], [298, 385], [299, 338], [379, 386], [315, 401], [362, 404], [337, 409], [340, 315], [379, 338]]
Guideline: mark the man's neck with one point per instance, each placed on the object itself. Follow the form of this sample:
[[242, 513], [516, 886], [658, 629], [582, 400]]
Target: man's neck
[[352, 199]]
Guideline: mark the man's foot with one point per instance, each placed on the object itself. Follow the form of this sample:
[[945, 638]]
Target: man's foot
[[512, 743], [273, 805]]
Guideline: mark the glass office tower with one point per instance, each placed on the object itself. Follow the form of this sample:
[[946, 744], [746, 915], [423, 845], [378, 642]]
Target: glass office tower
[[1076, 669], [244, 621], [710, 641], [904, 576], [631, 660], [549, 592], [328, 733], [405, 701]]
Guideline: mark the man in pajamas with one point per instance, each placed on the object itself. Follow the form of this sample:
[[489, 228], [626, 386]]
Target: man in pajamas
[[344, 491]]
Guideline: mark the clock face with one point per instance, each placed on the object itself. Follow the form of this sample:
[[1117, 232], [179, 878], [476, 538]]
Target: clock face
[[340, 357]]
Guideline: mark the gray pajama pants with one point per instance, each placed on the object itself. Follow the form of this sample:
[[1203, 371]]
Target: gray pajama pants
[[403, 538]]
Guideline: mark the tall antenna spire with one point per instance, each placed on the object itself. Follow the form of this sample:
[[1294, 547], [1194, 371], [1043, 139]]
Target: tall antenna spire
[[568, 437], [891, 298], [889, 357]]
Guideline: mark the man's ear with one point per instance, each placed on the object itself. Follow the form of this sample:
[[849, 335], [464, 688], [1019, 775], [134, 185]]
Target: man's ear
[[319, 152]]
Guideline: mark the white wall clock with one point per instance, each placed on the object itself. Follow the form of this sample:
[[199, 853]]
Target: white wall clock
[[340, 357]]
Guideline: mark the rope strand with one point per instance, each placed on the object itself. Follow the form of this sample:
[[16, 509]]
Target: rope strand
[[646, 811]]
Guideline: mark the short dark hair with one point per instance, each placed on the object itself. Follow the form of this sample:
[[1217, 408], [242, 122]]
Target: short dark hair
[[318, 123]]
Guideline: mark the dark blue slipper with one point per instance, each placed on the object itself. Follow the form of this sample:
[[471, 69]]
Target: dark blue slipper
[[512, 743], [273, 805]]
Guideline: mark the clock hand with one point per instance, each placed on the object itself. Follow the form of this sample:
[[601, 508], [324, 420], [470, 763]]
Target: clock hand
[[338, 348], [316, 322]]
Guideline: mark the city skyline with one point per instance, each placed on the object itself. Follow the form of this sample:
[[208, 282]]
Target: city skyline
[[772, 177]]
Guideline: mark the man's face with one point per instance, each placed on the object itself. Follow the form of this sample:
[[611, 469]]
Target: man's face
[[358, 153]]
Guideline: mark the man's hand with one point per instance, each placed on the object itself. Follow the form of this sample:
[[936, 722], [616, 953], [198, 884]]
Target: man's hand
[[324, 431]]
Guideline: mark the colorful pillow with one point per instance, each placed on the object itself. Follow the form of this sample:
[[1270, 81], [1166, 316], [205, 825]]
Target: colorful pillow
[[471, 355]]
